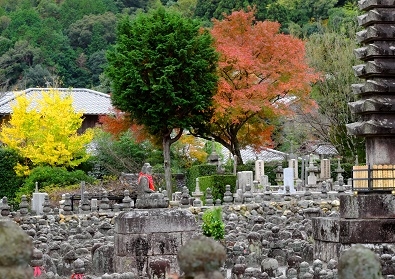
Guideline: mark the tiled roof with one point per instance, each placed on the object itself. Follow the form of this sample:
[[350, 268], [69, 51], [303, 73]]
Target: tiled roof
[[267, 154], [326, 149], [318, 148], [87, 101]]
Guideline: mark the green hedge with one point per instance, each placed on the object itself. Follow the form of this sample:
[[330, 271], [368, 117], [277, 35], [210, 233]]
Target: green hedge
[[51, 176], [198, 171], [217, 184], [9, 181]]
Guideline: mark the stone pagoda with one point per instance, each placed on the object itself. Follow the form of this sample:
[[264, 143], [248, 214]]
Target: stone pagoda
[[367, 216]]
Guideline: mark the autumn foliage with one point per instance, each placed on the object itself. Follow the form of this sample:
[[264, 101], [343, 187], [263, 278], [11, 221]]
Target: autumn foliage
[[262, 72], [115, 123], [43, 131], [119, 122]]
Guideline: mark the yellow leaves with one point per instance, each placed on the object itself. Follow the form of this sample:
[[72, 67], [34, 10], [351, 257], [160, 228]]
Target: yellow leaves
[[21, 170], [192, 147], [43, 128]]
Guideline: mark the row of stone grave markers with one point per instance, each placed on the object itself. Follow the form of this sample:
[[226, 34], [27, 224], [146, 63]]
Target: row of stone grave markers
[[261, 241], [258, 187], [288, 176], [180, 199]]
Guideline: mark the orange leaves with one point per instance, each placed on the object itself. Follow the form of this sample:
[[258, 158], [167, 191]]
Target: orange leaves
[[119, 122], [262, 72], [257, 64], [116, 123]]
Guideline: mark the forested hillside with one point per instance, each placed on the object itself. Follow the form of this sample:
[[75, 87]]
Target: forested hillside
[[63, 42]]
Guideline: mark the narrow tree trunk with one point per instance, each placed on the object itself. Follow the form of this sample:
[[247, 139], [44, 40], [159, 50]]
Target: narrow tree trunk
[[166, 141], [236, 150], [239, 159]]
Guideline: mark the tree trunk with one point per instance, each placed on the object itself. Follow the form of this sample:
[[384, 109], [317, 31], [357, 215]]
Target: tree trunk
[[166, 141], [238, 154]]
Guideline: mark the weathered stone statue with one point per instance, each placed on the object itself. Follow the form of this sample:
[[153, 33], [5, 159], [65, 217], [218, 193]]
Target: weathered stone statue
[[145, 180], [147, 197]]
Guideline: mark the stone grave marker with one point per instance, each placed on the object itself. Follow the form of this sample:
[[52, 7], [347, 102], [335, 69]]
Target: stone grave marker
[[325, 169], [37, 202], [259, 170], [244, 178], [293, 163], [288, 180]]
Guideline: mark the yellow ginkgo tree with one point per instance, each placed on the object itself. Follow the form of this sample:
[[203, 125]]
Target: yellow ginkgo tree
[[43, 130]]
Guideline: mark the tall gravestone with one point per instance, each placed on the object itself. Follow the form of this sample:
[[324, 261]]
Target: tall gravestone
[[259, 170], [325, 169], [293, 163], [244, 178], [368, 217], [289, 180]]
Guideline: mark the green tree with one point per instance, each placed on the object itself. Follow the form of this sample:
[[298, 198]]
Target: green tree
[[24, 24], [332, 54], [125, 154], [73, 10], [163, 72], [48, 8], [36, 76], [186, 7], [205, 9], [93, 32], [16, 60]]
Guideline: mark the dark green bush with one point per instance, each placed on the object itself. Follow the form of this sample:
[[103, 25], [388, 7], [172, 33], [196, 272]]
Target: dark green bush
[[217, 184], [48, 176], [198, 171], [9, 181]]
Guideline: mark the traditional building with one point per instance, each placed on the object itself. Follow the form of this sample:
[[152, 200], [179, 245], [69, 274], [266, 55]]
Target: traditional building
[[91, 103]]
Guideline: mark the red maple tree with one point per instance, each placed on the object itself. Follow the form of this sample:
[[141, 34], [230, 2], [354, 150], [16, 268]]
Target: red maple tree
[[119, 122], [262, 72]]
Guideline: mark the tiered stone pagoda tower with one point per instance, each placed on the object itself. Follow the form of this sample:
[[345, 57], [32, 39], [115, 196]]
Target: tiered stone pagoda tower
[[377, 95], [368, 215]]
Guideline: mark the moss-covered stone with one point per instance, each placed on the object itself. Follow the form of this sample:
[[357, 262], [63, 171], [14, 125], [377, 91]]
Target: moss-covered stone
[[359, 262], [201, 256], [16, 251]]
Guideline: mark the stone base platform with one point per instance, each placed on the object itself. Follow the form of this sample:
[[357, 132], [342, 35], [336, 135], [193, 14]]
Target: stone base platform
[[364, 219], [146, 238]]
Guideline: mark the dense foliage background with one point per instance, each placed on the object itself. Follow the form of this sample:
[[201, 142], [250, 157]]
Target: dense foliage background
[[63, 42]]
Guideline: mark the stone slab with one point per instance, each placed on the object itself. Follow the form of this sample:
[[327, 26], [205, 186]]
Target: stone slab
[[353, 230], [38, 201], [367, 206], [141, 266], [145, 221], [326, 229], [379, 149], [326, 251]]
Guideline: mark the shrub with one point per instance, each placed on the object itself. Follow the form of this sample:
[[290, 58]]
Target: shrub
[[9, 181], [212, 225], [51, 176], [198, 171], [125, 154], [217, 184]]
